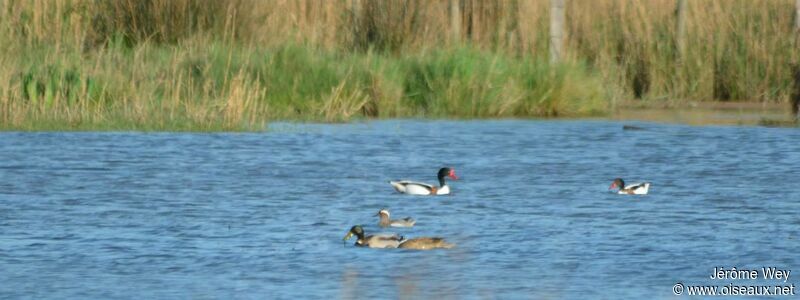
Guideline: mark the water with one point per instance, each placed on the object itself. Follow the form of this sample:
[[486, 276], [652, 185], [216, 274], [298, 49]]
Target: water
[[173, 215]]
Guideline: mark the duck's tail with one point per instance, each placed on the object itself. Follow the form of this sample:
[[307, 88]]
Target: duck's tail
[[398, 186], [446, 245], [645, 188], [441, 243]]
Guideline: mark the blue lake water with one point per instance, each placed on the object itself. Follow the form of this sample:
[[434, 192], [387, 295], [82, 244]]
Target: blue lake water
[[262, 215]]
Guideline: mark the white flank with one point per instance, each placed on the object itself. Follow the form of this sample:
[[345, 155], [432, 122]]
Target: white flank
[[411, 187], [443, 190], [416, 189], [640, 191]]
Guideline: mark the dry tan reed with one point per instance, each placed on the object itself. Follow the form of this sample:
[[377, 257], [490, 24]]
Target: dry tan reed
[[154, 63]]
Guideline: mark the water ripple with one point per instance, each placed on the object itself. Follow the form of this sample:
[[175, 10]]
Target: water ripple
[[173, 215]]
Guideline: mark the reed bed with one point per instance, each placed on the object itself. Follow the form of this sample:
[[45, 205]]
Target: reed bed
[[237, 64]]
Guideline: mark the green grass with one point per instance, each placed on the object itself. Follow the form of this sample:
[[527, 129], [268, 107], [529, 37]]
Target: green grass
[[209, 86]]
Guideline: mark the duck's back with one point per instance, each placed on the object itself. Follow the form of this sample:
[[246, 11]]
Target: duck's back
[[426, 243], [381, 241]]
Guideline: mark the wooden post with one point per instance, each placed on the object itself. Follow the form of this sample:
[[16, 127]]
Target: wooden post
[[355, 8], [557, 29], [455, 19], [794, 101], [681, 30], [797, 15]]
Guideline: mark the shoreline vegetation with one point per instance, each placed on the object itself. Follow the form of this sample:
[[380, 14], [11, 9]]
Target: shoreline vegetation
[[230, 65]]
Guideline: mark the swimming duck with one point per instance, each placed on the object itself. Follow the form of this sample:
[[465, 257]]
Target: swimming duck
[[396, 241], [386, 222], [373, 241], [633, 189], [418, 188]]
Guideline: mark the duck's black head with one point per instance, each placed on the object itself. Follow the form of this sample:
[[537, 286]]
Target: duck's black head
[[355, 230], [446, 172], [618, 183]]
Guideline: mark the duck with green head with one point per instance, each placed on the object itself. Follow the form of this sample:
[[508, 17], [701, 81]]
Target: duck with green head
[[419, 188], [373, 241], [629, 189], [395, 241]]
